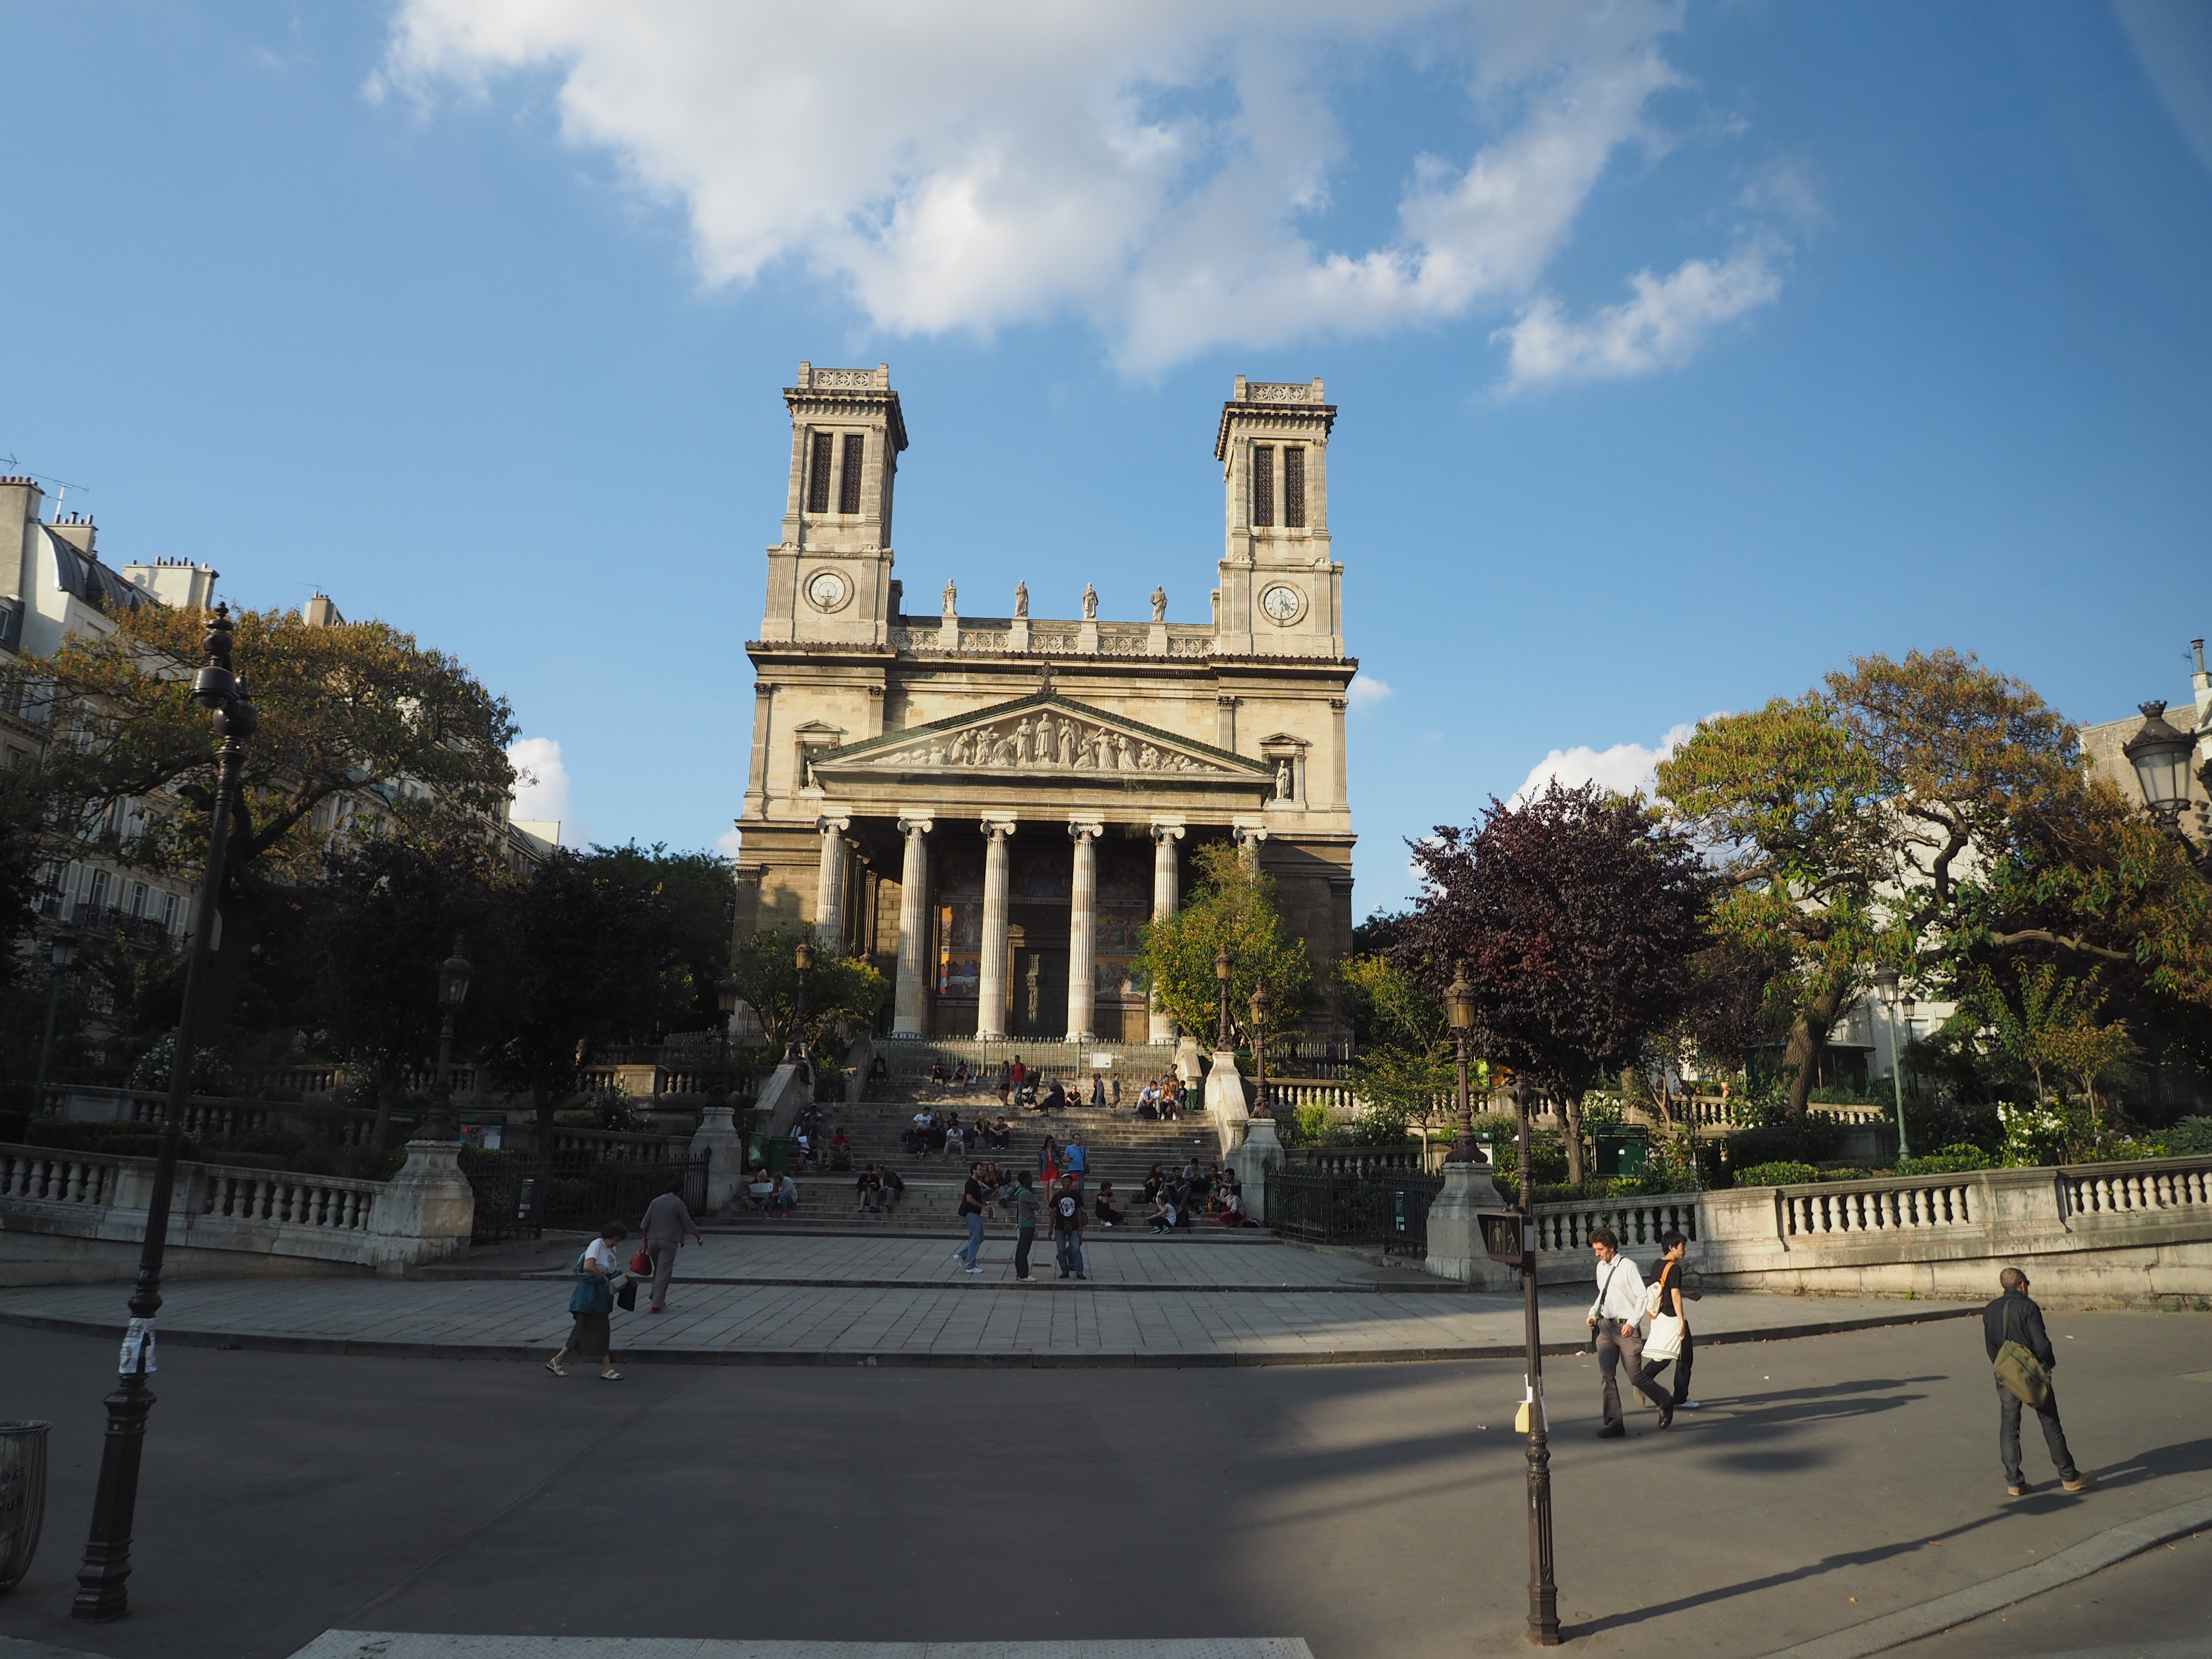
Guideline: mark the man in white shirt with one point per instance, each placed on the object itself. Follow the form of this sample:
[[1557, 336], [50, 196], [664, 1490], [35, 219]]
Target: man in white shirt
[[1615, 1317]]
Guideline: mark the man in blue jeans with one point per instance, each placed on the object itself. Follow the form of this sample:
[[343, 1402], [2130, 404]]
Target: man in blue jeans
[[1067, 1228], [1076, 1161], [2014, 1317], [973, 1202]]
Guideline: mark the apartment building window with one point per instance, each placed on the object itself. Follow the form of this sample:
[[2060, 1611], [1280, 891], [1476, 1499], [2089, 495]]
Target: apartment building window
[[171, 921], [1263, 485], [1294, 489], [98, 884], [819, 453], [135, 906], [848, 480], [16, 758]]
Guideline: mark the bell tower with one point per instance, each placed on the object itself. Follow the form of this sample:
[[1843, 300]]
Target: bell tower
[[830, 579], [1281, 594]]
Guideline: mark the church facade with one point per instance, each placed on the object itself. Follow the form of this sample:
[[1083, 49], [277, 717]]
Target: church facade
[[989, 807]]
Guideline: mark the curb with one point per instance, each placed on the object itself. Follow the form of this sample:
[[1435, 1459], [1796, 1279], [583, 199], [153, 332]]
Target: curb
[[973, 1359], [2067, 1567]]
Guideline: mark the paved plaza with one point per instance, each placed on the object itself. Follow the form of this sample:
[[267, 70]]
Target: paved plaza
[[1365, 1510], [902, 1300]]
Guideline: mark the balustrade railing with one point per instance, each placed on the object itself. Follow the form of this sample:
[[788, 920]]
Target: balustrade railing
[[1860, 1207], [1634, 1221], [56, 1177], [2135, 1188], [294, 1200]]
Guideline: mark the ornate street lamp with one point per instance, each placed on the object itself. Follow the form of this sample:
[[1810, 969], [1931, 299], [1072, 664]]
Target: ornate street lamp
[[2160, 756], [453, 991], [803, 958], [1221, 978], [1459, 1008], [1260, 1004], [102, 1594], [64, 957], [1543, 1586], [1885, 980]]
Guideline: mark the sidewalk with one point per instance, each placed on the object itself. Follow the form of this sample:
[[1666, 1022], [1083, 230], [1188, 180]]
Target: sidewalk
[[794, 1301]]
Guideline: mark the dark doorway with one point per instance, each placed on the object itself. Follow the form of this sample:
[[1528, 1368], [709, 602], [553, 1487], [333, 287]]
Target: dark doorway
[[1040, 999]]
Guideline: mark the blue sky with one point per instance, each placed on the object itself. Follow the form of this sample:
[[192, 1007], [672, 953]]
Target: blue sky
[[1682, 353]]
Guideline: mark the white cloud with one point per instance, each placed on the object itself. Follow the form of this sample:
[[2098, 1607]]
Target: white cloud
[[728, 842], [1365, 692], [541, 789], [1623, 769], [1152, 166], [1662, 327]]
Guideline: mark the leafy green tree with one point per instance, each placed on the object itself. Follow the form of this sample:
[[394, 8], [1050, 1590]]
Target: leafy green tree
[[357, 711], [1232, 903], [698, 890], [840, 990], [573, 959], [1407, 1062]]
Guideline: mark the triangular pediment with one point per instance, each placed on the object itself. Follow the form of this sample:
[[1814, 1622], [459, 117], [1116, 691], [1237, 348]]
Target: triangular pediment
[[1042, 733]]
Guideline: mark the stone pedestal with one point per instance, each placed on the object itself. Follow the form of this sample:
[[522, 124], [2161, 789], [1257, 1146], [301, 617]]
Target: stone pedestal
[[1224, 1100], [717, 1137], [1187, 1059], [1454, 1238], [426, 1212], [1018, 636], [1263, 1151]]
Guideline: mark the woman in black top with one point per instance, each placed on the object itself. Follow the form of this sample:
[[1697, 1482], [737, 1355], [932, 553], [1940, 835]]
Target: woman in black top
[[1108, 1215]]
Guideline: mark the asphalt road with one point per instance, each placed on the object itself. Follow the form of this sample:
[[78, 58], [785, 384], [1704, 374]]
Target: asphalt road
[[1370, 1509]]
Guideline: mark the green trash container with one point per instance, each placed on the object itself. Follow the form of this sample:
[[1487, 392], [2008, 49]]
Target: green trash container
[[1622, 1154], [778, 1150]]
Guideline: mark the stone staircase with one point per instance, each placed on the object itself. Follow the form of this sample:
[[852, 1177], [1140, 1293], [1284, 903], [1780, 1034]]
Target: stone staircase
[[1122, 1149]]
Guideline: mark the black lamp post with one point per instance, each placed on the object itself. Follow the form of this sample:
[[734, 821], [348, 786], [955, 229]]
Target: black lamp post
[[102, 1594], [453, 991], [64, 957], [1221, 978], [1543, 1587], [803, 959], [2160, 756], [1885, 980], [1261, 1005], [1459, 1008]]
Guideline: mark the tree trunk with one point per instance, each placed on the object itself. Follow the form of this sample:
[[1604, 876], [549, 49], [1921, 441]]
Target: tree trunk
[[387, 1096], [1570, 1115], [1807, 1031], [227, 964]]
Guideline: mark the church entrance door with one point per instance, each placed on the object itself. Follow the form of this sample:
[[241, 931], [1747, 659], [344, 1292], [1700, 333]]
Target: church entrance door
[[1040, 1000]]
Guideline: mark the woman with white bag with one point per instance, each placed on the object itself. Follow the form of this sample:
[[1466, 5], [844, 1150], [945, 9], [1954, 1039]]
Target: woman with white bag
[[1670, 1341]]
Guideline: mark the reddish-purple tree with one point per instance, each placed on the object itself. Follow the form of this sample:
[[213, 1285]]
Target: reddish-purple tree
[[1577, 914]]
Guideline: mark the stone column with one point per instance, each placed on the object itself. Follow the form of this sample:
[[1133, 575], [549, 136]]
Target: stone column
[[829, 884], [913, 929], [1083, 931], [1164, 899], [991, 992]]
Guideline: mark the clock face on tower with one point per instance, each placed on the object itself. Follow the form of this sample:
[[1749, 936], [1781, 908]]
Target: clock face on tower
[[826, 590], [1282, 603]]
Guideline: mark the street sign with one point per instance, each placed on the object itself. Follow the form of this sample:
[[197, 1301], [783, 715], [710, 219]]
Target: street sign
[[1505, 1237]]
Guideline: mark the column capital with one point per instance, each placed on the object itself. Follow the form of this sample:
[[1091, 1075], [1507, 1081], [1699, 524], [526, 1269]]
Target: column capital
[[915, 823], [1080, 827], [1249, 834], [1163, 831], [832, 826], [998, 824]]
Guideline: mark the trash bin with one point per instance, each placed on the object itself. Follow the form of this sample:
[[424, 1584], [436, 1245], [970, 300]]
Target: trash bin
[[1623, 1153], [777, 1149], [22, 1497]]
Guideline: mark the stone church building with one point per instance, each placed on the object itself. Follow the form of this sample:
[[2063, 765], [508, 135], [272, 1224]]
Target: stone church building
[[989, 807]]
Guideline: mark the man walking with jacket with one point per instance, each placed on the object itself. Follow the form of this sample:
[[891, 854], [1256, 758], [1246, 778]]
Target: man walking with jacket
[[2012, 1317], [666, 1221]]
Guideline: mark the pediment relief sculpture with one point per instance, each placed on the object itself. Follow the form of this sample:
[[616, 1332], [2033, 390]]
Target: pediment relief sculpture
[[1050, 739]]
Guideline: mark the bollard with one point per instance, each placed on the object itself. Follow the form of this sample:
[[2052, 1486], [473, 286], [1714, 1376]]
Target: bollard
[[22, 1497]]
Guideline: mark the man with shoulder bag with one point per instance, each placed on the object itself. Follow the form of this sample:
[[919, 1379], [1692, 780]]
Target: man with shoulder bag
[[1617, 1318], [2021, 1355]]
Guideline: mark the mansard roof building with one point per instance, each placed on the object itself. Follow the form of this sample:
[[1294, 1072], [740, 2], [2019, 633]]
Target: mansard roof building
[[990, 806]]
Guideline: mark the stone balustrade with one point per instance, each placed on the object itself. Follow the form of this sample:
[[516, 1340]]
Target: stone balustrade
[[71, 1217]]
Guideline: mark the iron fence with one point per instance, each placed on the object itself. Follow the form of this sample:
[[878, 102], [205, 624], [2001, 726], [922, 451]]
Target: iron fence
[[516, 1196], [1389, 1208]]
